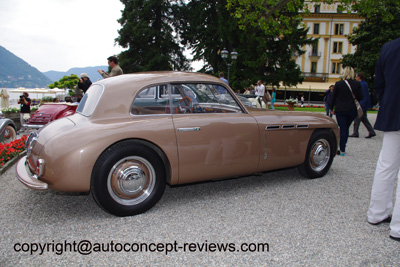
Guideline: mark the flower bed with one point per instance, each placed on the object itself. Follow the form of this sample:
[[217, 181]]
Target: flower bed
[[10, 152]]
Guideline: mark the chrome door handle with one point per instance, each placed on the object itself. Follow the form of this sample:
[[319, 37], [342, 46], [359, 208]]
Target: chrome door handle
[[193, 129]]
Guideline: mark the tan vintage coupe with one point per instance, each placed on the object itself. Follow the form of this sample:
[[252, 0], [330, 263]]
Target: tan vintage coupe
[[133, 134]]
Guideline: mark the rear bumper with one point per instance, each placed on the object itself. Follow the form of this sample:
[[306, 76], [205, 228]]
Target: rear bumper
[[24, 177]]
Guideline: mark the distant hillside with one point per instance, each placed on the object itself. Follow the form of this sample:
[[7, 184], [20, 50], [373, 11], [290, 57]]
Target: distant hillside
[[15, 72], [90, 71]]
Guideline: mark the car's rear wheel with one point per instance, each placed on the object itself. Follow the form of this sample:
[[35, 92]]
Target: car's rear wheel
[[320, 153], [128, 178], [8, 135]]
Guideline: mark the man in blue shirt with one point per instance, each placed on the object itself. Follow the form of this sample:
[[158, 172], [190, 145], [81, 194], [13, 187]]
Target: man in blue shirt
[[365, 104], [221, 89], [221, 76]]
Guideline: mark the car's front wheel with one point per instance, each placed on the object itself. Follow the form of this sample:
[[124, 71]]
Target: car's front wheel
[[320, 153], [128, 178]]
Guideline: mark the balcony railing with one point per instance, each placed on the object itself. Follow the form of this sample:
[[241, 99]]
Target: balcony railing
[[311, 76], [314, 54]]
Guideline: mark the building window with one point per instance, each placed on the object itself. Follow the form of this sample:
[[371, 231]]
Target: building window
[[313, 67], [336, 67], [316, 28], [317, 8], [337, 48], [314, 50], [339, 28]]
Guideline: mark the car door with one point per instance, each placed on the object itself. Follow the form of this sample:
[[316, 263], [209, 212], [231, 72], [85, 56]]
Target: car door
[[215, 137]]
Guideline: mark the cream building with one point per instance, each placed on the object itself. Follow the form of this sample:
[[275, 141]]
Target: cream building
[[321, 63]]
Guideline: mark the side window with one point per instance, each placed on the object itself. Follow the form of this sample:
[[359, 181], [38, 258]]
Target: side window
[[147, 93], [204, 98], [184, 98], [151, 101]]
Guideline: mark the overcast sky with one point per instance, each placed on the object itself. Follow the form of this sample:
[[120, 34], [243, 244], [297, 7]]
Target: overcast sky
[[60, 34]]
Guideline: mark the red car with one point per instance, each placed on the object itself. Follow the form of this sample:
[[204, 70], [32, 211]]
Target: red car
[[49, 112]]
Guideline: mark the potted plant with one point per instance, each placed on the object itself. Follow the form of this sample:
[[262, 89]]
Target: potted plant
[[10, 112], [291, 103]]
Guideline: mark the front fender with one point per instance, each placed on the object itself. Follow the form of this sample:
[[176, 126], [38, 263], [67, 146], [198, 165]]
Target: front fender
[[5, 122]]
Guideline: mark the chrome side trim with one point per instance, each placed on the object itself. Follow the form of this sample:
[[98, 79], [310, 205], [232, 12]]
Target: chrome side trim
[[35, 126], [288, 126], [302, 126], [272, 127], [194, 129]]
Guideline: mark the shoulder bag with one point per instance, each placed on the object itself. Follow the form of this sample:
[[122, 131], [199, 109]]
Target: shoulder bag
[[360, 112], [267, 95]]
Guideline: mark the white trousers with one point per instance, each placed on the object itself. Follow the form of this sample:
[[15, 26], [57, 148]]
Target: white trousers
[[387, 169]]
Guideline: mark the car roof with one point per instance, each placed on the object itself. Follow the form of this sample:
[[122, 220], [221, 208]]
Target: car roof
[[119, 91], [142, 79]]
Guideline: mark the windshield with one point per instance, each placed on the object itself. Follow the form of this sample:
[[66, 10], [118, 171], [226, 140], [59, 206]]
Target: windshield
[[90, 100]]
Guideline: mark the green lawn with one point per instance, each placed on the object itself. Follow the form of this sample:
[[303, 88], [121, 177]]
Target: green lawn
[[302, 109], [312, 109]]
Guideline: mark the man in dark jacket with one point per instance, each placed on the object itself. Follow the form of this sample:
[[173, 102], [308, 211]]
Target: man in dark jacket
[[365, 104], [387, 82], [25, 103], [84, 82], [328, 100]]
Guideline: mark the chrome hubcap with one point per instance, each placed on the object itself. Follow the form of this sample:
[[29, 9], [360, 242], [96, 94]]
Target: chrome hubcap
[[8, 135], [320, 155], [131, 180]]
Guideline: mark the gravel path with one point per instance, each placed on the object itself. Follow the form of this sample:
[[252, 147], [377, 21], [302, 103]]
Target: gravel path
[[301, 222]]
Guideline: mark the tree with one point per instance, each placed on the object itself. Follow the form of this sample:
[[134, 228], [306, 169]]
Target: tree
[[69, 82], [148, 34], [65, 82], [369, 9], [207, 27], [382, 24], [271, 16]]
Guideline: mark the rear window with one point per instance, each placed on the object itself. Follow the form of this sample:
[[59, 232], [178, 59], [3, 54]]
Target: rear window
[[90, 100]]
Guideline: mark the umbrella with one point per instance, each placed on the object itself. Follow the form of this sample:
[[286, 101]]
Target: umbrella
[[38, 90], [55, 91]]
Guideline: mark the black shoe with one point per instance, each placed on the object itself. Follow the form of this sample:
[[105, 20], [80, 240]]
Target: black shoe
[[354, 135], [395, 238], [370, 135], [387, 220]]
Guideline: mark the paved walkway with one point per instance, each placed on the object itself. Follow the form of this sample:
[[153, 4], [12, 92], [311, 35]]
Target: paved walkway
[[319, 222]]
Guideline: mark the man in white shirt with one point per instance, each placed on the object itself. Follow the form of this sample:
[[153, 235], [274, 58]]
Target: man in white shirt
[[260, 92]]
